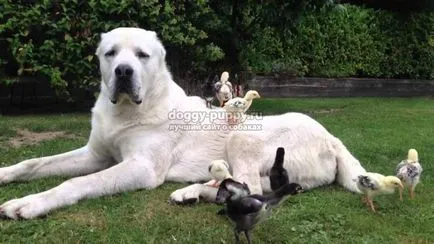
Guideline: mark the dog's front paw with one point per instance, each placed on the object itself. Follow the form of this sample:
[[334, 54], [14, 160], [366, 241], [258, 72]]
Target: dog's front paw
[[6, 175], [28, 207], [186, 195], [192, 193]]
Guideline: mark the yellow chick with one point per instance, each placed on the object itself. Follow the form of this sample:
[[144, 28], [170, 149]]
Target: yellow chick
[[374, 184], [236, 107], [239, 104], [219, 169], [409, 171]]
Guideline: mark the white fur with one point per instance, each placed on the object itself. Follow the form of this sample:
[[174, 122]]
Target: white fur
[[131, 147]]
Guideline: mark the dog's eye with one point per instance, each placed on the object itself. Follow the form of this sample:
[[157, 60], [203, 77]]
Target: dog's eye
[[142, 54], [110, 53]]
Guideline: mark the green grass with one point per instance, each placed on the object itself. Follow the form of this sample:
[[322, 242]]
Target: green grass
[[378, 131]]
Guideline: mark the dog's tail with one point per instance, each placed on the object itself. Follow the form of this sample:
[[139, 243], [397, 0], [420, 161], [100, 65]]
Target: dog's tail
[[348, 166]]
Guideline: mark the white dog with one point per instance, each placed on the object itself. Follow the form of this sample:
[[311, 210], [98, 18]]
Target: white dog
[[134, 143]]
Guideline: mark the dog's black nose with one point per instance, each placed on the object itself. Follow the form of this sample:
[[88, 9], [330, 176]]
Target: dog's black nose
[[124, 71]]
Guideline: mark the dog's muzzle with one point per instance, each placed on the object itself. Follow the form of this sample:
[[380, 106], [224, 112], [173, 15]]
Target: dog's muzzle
[[124, 83]]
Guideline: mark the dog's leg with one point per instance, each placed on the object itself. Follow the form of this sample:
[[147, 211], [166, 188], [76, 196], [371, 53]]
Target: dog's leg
[[192, 193], [245, 156], [73, 163], [126, 176]]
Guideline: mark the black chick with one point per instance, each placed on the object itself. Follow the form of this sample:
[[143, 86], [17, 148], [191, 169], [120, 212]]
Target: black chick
[[247, 210], [208, 92], [278, 174]]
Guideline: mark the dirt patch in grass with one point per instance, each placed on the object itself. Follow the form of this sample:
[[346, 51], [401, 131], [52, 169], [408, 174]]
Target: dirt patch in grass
[[26, 137], [416, 241]]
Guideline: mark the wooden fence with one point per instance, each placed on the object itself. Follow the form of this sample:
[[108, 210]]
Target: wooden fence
[[33, 96], [270, 86]]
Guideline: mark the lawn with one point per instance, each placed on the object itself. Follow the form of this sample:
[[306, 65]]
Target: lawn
[[378, 131]]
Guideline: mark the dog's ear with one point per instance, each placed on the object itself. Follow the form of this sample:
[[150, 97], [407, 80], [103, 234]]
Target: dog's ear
[[153, 33], [162, 50], [98, 49]]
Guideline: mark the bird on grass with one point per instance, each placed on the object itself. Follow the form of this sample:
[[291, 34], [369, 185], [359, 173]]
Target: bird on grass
[[219, 169], [374, 184], [246, 210], [409, 171], [278, 175], [224, 89]]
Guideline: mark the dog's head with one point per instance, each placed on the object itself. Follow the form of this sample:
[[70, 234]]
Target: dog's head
[[130, 59]]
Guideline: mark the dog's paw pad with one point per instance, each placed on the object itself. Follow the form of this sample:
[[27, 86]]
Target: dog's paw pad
[[187, 195], [189, 201]]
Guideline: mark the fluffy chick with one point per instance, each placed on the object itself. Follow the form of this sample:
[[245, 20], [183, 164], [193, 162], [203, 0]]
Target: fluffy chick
[[236, 107], [374, 184], [239, 104], [219, 169], [409, 171], [246, 210], [278, 175]]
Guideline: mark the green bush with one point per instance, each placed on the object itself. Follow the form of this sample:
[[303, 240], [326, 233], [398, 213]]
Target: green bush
[[409, 42], [58, 38], [347, 41]]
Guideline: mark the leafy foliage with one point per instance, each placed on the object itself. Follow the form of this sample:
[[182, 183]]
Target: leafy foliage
[[244, 22], [57, 39], [346, 40]]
